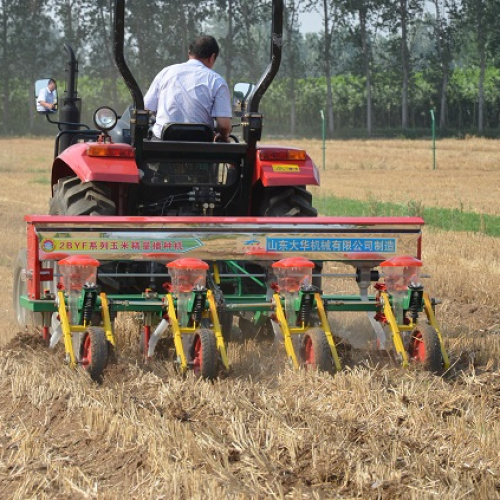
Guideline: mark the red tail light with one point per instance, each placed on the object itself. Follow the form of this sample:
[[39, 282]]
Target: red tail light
[[278, 154], [115, 150]]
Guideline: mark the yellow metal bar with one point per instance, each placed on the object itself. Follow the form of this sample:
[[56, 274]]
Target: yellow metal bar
[[79, 328], [177, 333], [429, 311], [188, 329], [106, 319], [406, 328], [66, 327], [297, 329], [328, 332], [286, 332], [219, 339], [216, 274], [396, 333]]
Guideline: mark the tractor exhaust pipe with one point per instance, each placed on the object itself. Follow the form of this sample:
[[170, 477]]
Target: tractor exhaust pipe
[[70, 109]]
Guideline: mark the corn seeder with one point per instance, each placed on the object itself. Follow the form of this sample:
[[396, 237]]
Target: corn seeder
[[84, 343], [235, 225], [221, 268]]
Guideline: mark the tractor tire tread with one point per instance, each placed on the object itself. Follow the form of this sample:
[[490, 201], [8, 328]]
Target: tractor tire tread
[[74, 197]]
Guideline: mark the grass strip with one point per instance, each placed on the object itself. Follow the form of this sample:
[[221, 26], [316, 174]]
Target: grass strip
[[442, 218]]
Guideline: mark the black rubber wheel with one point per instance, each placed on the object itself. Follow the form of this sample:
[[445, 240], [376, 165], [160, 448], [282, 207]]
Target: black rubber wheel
[[24, 317], [315, 352], [226, 325], [204, 354], [74, 197], [425, 348], [288, 201], [94, 352], [285, 201]]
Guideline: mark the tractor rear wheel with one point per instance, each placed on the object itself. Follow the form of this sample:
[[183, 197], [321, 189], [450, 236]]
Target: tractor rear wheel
[[204, 354], [74, 197], [425, 348], [316, 352], [94, 352], [287, 201], [24, 317]]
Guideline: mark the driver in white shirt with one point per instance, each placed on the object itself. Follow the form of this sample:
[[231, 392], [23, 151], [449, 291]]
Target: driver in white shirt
[[192, 92]]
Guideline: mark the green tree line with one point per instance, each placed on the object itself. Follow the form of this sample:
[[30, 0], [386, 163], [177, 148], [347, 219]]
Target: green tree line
[[374, 67]]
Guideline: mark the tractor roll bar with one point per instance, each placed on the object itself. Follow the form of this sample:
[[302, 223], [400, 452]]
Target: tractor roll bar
[[124, 70], [139, 119], [271, 70]]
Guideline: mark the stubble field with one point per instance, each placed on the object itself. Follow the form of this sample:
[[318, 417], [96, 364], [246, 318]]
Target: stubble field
[[265, 431]]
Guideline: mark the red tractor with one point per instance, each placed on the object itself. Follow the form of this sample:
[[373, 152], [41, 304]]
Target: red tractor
[[126, 172], [223, 217]]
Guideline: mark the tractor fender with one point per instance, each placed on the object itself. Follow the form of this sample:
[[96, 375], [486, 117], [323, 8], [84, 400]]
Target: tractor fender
[[286, 172], [75, 161]]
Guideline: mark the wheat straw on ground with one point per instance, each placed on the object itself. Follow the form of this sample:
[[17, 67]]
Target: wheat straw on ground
[[265, 431]]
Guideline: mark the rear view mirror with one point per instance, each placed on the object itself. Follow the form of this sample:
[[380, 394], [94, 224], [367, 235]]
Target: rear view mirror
[[46, 96], [241, 93]]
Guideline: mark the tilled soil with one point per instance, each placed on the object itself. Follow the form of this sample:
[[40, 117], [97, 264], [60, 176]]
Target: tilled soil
[[372, 431]]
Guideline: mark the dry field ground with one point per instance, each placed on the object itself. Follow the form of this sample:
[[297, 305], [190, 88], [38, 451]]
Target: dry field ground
[[372, 431], [467, 174]]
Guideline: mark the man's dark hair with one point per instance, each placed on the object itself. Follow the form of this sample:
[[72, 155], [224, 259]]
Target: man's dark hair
[[203, 47], [51, 80]]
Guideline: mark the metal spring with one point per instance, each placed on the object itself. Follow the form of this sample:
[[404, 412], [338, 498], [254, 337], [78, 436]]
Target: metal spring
[[198, 307], [305, 308], [113, 313], [415, 301], [88, 307]]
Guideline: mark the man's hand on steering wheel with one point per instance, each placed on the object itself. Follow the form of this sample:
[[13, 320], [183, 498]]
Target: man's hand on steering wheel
[[220, 138]]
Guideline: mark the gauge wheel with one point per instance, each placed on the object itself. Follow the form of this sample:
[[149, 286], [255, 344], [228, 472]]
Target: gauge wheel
[[425, 348], [226, 325], [315, 352], [94, 352], [204, 354]]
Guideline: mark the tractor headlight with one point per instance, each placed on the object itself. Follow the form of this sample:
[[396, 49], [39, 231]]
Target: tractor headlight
[[105, 118]]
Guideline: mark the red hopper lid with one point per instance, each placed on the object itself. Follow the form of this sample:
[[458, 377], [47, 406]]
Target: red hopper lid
[[79, 260], [402, 261]]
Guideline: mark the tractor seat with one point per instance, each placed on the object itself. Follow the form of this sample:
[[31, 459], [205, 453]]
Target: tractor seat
[[187, 132]]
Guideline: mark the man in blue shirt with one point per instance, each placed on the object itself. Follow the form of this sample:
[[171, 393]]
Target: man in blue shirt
[[45, 100], [192, 92]]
